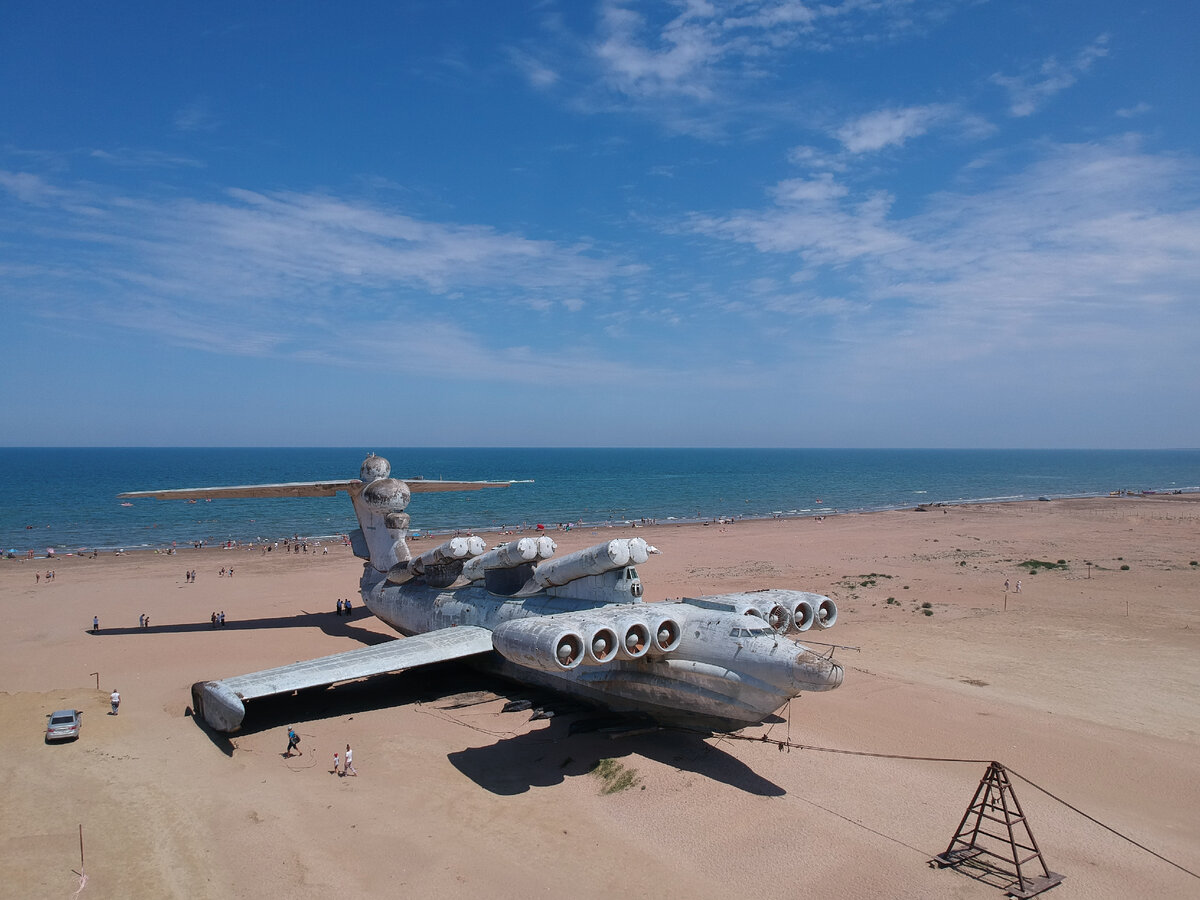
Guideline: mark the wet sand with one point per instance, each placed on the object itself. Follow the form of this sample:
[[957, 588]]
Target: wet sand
[[1084, 683]]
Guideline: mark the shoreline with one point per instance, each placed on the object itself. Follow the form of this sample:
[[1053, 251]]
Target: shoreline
[[512, 530]]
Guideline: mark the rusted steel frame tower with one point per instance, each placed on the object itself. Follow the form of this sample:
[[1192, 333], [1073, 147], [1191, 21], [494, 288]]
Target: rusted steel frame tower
[[995, 803]]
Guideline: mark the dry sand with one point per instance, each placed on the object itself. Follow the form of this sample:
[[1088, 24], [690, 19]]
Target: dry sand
[[1086, 685]]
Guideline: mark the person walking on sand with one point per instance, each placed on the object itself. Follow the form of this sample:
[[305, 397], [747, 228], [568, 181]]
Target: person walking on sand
[[1018, 585], [293, 743], [349, 764], [95, 624], [115, 700], [1006, 585], [339, 608], [336, 770]]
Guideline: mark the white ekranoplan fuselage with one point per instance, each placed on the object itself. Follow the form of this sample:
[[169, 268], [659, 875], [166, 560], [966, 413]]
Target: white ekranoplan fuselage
[[575, 624]]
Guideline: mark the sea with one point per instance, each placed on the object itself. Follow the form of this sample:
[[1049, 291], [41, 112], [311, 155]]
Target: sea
[[65, 499]]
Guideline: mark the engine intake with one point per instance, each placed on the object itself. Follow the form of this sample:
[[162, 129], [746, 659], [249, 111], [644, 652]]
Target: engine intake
[[826, 613], [541, 643]]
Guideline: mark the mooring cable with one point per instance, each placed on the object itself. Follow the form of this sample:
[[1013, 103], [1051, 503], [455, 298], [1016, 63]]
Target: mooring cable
[[791, 745]]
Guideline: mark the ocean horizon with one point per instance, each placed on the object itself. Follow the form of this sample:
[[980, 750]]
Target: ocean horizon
[[65, 499]]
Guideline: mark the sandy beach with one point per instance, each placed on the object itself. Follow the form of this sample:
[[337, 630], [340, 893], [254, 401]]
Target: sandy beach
[[1084, 682]]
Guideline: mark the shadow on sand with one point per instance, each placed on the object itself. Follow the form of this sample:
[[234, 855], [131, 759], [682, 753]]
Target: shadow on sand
[[549, 756], [329, 623], [507, 766]]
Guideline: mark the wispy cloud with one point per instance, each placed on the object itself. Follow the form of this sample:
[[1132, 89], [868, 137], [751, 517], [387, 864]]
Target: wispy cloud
[[890, 127], [196, 116], [1030, 90], [293, 274], [1138, 109], [698, 65], [1088, 246]]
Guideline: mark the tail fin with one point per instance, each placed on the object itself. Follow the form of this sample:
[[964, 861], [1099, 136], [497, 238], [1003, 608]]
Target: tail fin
[[379, 502]]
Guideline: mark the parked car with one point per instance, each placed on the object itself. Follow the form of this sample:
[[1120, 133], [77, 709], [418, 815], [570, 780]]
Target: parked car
[[64, 725]]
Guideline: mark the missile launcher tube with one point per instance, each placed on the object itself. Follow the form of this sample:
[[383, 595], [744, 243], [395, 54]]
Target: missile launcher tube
[[592, 561], [508, 556]]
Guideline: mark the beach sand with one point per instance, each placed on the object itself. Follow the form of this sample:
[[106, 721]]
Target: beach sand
[[1085, 683]]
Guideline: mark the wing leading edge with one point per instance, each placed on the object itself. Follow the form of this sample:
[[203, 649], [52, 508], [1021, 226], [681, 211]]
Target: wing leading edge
[[222, 703], [309, 489]]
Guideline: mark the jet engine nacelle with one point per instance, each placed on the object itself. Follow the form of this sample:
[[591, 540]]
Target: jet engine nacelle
[[635, 636], [773, 607], [826, 613], [601, 643], [540, 643], [665, 631]]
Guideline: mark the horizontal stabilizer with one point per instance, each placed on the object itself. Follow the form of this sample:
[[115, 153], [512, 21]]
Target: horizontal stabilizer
[[309, 489], [291, 489], [221, 703], [425, 486]]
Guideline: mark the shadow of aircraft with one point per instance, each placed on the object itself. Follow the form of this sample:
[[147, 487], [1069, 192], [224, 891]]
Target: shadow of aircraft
[[509, 766], [329, 623], [549, 756]]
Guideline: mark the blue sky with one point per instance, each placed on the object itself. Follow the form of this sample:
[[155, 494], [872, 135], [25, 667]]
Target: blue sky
[[868, 223]]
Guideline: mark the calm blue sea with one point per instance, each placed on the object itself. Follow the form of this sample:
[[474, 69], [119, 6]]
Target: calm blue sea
[[66, 498]]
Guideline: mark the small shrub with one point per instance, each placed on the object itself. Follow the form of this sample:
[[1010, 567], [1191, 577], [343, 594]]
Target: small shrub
[[1125, 568], [928, 612], [1194, 563], [1062, 562], [926, 605], [614, 776]]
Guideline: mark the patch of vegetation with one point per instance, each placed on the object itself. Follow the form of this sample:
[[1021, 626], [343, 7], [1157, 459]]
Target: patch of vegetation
[[1033, 565], [1194, 563], [863, 580], [893, 601], [928, 612], [926, 605], [963, 563], [1125, 568], [613, 776]]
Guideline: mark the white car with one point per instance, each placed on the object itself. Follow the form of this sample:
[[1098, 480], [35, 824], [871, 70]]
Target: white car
[[64, 725]]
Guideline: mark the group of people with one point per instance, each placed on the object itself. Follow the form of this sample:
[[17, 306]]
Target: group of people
[[1017, 591], [218, 618], [37, 576], [344, 607], [143, 621], [189, 576], [225, 571], [347, 763], [341, 765]]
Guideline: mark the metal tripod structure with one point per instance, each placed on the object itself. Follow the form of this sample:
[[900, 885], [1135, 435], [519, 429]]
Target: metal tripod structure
[[995, 803]]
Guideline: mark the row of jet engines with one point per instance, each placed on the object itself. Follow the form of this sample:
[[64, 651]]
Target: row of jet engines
[[563, 641]]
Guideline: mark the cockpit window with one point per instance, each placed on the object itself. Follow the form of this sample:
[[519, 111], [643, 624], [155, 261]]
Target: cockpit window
[[631, 573], [748, 632]]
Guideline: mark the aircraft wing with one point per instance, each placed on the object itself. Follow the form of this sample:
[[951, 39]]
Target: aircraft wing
[[290, 489], [222, 703]]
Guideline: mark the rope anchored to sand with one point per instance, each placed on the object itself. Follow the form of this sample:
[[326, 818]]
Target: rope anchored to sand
[[791, 745]]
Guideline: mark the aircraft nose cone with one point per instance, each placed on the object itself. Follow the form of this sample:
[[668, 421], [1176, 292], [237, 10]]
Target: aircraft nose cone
[[814, 672]]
